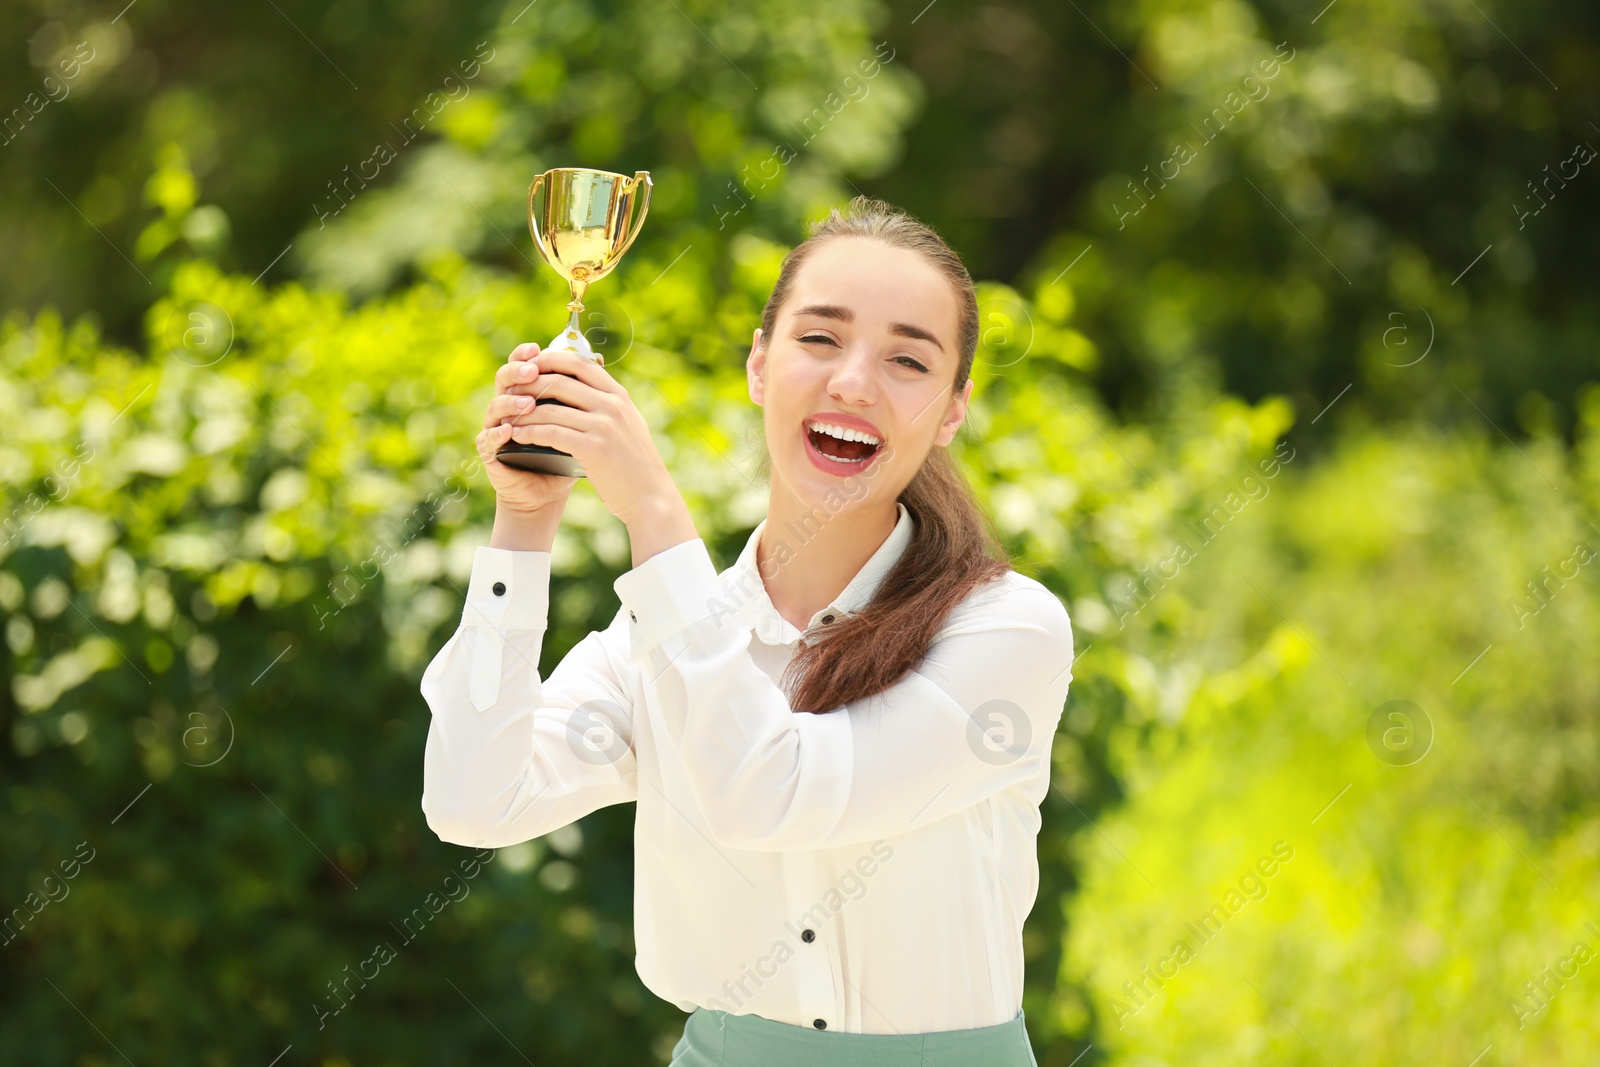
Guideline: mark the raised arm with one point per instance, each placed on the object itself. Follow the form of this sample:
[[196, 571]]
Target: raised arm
[[510, 756], [977, 716]]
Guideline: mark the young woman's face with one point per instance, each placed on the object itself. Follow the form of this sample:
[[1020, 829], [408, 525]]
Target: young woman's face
[[866, 342]]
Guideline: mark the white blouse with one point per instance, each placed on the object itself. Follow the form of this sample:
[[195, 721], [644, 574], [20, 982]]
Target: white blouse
[[865, 870]]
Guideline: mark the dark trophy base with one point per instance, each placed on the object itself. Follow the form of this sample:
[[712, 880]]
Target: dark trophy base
[[541, 459]]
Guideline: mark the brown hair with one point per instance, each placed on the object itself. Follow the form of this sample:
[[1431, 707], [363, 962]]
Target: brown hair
[[953, 548]]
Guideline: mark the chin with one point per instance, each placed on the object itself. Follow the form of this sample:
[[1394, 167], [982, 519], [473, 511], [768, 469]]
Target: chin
[[840, 496]]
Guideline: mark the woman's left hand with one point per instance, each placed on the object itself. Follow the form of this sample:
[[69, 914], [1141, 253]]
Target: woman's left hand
[[605, 432]]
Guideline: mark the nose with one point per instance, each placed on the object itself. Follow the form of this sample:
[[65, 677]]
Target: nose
[[854, 379]]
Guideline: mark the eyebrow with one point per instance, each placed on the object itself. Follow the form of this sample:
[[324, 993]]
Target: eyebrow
[[844, 314]]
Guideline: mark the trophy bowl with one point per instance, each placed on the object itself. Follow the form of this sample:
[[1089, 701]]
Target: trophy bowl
[[582, 225]]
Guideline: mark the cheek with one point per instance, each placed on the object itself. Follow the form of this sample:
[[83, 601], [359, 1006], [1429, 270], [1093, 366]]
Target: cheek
[[795, 385], [921, 412], [782, 406]]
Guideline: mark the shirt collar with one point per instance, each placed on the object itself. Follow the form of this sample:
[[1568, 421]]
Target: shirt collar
[[755, 608]]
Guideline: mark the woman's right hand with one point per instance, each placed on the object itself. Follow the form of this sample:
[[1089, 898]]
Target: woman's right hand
[[515, 387]]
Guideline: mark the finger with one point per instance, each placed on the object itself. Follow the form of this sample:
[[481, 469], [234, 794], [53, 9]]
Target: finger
[[491, 440], [504, 407], [591, 374], [559, 415], [525, 351], [529, 387], [565, 438], [514, 372], [567, 389]]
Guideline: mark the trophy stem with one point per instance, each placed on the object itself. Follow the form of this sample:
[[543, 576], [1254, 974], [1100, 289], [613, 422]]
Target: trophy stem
[[571, 338]]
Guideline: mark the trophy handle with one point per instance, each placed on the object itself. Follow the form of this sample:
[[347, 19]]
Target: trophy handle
[[533, 218], [640, 205]]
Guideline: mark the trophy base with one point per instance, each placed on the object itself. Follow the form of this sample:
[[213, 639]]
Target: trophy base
[[541, 459]]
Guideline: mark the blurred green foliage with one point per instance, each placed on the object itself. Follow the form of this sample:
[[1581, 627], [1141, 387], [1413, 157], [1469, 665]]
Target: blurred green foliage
[[1431, 879], [239, 510], [1393, 144]]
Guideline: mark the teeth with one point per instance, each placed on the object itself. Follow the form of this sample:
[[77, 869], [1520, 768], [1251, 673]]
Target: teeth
[[843, 433]]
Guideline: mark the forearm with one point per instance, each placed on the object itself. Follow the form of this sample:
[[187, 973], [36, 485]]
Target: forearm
[[660, 524], [526, 531], [503, 761], [514, 769], [764, 777]]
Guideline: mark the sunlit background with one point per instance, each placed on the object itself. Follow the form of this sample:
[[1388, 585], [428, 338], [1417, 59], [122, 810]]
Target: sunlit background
[[1286, 387]]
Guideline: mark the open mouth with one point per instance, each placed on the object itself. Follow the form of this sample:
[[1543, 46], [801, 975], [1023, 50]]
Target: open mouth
[[841, 445]]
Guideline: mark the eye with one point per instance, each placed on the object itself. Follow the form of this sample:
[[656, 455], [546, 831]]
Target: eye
[[906, 361]]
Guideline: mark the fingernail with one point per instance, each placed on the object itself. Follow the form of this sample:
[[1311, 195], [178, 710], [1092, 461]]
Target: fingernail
[[524, 401], [526, 370]]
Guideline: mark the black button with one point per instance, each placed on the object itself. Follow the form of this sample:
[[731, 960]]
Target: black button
[[499, 588], [632, 616], [808, 936], [820, 1024], [827, 618]]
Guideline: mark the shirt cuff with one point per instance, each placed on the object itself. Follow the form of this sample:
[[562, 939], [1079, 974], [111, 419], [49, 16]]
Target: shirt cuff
[[671, 591], [509, 589]]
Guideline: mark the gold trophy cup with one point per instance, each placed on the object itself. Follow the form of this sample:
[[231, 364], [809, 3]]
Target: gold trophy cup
[[585, 222]]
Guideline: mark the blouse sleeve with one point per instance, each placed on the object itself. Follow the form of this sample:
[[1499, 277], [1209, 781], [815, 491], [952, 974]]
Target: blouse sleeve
[[978, 715], [511, 756]]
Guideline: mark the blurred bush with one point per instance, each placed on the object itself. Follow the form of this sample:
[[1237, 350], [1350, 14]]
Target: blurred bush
[[1389, 670]]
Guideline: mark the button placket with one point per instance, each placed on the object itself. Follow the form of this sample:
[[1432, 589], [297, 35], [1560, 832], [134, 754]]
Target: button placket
[[816, 971]]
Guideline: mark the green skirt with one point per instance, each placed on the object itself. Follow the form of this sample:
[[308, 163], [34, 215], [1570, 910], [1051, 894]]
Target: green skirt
[[714, 1038]]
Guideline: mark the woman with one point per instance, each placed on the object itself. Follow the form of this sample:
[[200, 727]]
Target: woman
[[838, 745]]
